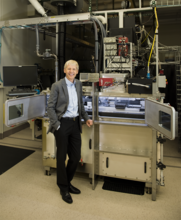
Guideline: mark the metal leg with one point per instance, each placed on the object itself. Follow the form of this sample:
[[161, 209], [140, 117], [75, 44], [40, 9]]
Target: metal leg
[[47, 171], [153, 171], [32, 127]]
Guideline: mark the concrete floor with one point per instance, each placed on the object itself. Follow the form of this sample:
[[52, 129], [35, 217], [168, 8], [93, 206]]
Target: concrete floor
[[27, 194]]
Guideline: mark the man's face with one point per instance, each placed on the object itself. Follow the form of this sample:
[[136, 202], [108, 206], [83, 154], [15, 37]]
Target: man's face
[[71, 72]]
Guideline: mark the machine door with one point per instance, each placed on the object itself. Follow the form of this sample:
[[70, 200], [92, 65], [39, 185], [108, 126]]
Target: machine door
[[22, 109], [161, 117]]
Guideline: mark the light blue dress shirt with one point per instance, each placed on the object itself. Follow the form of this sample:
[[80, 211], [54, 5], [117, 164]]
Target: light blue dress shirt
[[72, 110]]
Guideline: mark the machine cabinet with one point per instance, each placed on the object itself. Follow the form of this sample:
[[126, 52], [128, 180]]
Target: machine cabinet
[[125, 166], [121, 143]]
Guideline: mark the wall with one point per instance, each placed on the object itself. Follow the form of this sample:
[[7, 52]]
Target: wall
[[13, 9], [170, 34]]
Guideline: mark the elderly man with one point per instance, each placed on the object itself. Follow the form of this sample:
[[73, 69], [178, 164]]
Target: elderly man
[[65, 109]]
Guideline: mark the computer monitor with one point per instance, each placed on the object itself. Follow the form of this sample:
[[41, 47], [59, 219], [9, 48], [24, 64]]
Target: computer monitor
[[20, 75]]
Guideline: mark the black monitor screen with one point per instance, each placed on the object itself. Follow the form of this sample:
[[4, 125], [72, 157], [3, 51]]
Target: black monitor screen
[[20, 75]]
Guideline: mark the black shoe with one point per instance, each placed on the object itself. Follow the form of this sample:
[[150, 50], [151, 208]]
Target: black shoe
[[73, 190], [66, 197]]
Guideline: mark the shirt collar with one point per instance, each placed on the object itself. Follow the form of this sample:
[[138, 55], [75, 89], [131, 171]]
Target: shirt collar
[[70, 83]]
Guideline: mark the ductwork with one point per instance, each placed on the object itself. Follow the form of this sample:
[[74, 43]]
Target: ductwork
[[102, 19], [38, 7], [48, 6]]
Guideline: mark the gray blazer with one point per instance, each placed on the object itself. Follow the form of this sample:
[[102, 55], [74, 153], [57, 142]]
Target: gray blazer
[[58, 104]]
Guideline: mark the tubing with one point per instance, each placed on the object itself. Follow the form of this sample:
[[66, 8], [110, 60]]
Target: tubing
[[103, 32], [38, 7], [101, 18], [100, 56], [148, 70], [37, 42]]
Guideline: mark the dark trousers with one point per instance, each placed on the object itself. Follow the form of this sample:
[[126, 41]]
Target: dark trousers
[[68, 141]]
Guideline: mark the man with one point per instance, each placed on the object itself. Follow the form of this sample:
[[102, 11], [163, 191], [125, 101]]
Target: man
[[65, 109]]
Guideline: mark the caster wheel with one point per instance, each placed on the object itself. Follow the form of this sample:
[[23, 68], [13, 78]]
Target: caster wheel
[[149, 191]]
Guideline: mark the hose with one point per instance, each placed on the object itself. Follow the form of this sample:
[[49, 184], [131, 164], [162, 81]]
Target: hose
[[37, 42], [103, 34]]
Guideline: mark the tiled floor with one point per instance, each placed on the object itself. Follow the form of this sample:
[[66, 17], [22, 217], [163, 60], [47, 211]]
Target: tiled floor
[[27, 194]]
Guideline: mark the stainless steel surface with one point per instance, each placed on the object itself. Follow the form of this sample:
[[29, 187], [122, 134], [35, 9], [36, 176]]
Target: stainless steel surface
[[125, 139], [50, 148], [95, 157], [89, 77], [120, 123], [125, 120], [86, 152], [124, 166], [153, 109], [30, 108], [103, 94]]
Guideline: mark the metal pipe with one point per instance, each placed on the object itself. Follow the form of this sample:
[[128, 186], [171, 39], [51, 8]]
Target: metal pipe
[[100, 55], [61, 42], [140, 15], [96, 47], [38, 7], [56, 71], [37, 42]]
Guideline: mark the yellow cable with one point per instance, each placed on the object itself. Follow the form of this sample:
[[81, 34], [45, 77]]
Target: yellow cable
[[154, 36]]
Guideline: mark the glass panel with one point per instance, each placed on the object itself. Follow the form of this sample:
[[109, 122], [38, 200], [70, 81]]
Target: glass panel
[[15, 111], [165, 120], [122, 107]]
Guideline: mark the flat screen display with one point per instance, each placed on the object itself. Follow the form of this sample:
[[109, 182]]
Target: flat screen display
[[20, 75]]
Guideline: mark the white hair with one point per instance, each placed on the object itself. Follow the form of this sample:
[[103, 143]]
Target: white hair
[[71, 62]]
